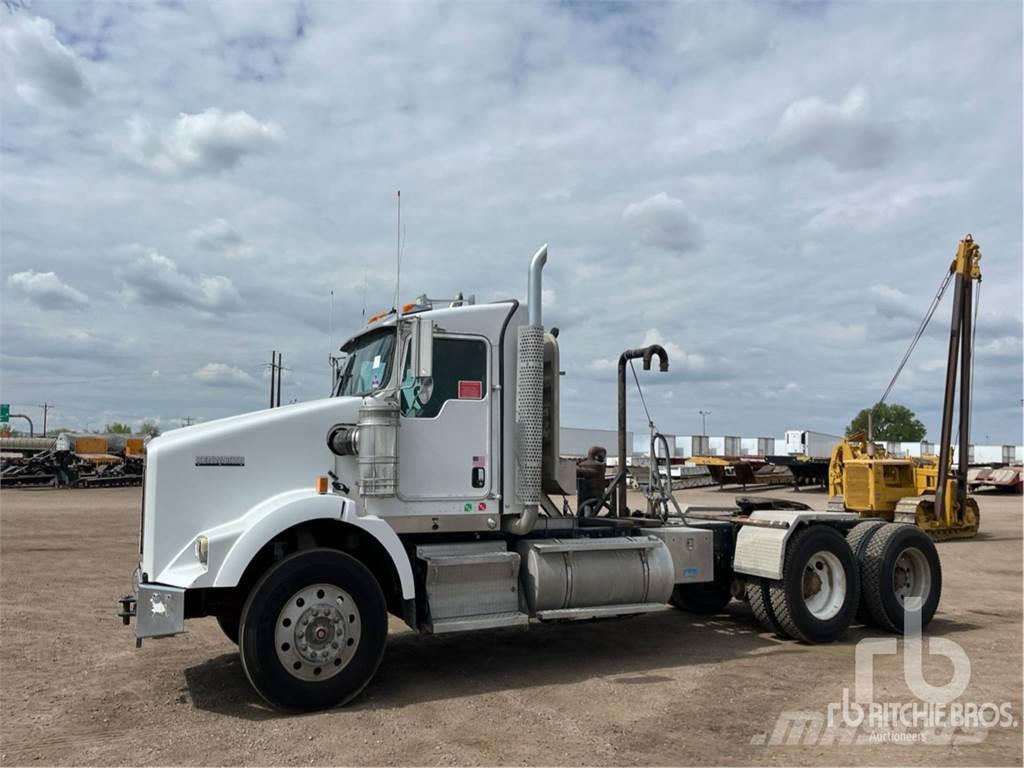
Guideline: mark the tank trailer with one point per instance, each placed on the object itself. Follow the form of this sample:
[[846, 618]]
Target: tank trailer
[[426, 488]]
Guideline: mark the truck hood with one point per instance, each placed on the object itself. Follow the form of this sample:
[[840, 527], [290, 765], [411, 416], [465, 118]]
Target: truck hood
[[209, 474]]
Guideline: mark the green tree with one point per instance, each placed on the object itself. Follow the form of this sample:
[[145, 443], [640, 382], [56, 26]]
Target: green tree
[[149, 428], [117, 428], [890, 422]]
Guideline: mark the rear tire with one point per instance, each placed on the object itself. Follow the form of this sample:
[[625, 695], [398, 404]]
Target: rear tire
[[858, 538], [313, 630], [817, 597], [710, 597], [901, 573], [759, 597]]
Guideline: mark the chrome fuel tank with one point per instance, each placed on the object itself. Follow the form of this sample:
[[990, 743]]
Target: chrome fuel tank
[[561, 574]]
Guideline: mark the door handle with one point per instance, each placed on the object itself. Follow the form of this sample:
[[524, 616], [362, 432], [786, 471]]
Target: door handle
[[479, 476]]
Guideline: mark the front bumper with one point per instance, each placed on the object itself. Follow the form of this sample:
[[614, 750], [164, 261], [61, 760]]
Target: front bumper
[[158, 610]]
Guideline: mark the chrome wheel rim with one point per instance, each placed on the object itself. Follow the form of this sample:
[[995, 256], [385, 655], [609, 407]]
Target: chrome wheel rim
[[824, 585], [317, 632], [911, 578]]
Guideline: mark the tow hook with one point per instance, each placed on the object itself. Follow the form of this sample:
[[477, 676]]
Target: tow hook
[[128, 606]]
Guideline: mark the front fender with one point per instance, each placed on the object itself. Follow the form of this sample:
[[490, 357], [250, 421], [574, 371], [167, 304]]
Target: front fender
[[232, 546]]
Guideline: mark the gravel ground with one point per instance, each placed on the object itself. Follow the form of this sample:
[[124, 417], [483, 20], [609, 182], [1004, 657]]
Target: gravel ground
[[663, 689]]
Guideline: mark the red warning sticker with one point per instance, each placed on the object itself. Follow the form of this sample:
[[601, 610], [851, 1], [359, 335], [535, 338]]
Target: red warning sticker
[[471, 390]]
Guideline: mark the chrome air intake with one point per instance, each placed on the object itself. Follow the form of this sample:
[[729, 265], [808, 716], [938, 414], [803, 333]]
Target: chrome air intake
[[378, 447]]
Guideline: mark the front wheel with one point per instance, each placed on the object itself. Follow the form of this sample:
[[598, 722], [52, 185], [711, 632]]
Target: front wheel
[[313, 630], [228, 622]]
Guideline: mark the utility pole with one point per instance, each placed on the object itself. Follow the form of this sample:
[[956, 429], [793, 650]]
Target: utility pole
[[276, 372], [46, 408], [273, 374], [703, 422], [280, 374], [187, 421]]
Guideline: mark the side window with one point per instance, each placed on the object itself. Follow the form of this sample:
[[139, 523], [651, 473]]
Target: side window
[[460, 373]]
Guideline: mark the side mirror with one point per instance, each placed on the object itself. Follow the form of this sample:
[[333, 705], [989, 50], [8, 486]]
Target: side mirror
[[421, 358]]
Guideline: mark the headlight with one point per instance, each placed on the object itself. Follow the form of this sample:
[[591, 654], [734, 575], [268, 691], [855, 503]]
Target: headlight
[[202, 549]]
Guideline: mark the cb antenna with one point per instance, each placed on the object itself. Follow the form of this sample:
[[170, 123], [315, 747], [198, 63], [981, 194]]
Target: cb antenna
[[398, 255], [362, 318]]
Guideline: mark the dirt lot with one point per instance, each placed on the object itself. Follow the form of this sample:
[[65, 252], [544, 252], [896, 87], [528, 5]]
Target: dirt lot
[[667, 688]]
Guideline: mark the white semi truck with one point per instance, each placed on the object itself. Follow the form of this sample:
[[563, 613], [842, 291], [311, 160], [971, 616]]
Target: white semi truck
[[429, 486]]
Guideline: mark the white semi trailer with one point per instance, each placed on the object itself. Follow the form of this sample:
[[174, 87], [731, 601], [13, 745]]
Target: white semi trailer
[[812, 445], [427, 488]]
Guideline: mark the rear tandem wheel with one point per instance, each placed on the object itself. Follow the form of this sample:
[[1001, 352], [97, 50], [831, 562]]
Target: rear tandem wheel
[[817, 597]]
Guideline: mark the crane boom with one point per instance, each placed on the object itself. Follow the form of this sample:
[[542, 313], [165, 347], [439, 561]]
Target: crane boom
[[965, 269]]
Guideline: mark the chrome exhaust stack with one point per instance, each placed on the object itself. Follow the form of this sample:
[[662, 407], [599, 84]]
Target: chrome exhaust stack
[[529, 428]]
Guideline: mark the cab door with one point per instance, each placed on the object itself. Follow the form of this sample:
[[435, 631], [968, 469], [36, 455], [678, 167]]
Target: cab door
[[444, 443]]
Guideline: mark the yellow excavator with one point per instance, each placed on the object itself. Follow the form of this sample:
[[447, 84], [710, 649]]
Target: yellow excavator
[[863, 478]]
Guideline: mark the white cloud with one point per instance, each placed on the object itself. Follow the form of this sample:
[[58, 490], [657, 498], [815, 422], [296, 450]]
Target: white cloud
[[788, 389], [678, 359], [44, 71], [155, 280], [538, 125], [1007, 348], [894, 303], [682, 364], [223, 375], [46, 290], [220, 237], [664, 222], [206, 142], [845, 134], [872, 209]]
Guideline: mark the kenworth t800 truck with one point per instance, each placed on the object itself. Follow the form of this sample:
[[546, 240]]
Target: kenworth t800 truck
[[430, 487]]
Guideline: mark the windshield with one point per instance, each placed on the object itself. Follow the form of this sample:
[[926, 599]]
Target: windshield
[[368, 364]]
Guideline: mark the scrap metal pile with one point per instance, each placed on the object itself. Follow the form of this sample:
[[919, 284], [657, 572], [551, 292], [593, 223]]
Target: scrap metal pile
[[1001, 478], [71, 461], [709, 471]]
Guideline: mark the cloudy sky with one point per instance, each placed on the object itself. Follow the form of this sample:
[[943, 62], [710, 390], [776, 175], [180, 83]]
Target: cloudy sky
[[772, 191]]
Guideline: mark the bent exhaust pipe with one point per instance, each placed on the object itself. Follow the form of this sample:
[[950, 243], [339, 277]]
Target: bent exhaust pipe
[[533, 288], [647, 353]]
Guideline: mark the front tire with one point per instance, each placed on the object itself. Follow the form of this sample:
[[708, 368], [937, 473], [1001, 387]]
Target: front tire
[[313, 630], [817, 597], [229, 621]]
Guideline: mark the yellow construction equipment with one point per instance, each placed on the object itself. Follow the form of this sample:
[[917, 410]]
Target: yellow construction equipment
[[865, 479], [900, 490]]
